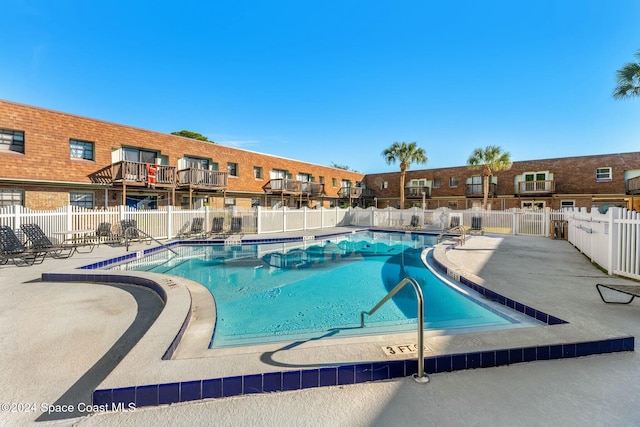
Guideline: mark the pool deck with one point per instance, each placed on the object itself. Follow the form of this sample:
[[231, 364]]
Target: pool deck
[[54, 336]]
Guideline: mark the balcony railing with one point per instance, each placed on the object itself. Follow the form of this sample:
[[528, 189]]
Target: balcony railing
[[202, 178], [415, 192], [135, 173], [633, 185], [292, 186], [477, 190], [354, 192], [537, 187]]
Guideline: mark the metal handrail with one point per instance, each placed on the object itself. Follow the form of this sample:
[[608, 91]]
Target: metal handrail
[[127, 239], [459, 228], [420, 376]]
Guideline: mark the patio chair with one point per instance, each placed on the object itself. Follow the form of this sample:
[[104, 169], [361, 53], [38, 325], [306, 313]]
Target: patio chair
[[130, 231], [236, 224], [217, 226], [38, 241], [11, 249], [197, 228], [476, 226], [414, 224], [104, 232], [631, 290]]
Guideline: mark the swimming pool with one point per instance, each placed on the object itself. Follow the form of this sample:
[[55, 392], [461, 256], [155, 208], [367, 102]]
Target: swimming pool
[[272, 292]]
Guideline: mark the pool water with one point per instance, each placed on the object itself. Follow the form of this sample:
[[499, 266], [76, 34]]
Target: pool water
[[308, 289]]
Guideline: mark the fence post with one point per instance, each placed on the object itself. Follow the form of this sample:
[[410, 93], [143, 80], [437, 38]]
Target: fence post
[[321, 217], [69, 217], [258, 219], [169, 222], [17, 220], [304, 217], [514, 223], [614, 235], [284, 219]]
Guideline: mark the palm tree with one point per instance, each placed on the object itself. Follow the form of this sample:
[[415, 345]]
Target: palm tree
[[490, 159], [628, 78], [405, 154]]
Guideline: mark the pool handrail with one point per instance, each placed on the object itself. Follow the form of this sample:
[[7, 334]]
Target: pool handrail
[[136, 229], [420, 376]]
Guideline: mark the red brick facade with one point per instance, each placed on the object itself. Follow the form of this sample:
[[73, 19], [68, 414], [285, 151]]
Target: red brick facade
[[571, 179], [45, 174]]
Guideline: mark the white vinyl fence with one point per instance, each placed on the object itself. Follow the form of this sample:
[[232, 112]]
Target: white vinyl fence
[[611, 240], [172, 222]]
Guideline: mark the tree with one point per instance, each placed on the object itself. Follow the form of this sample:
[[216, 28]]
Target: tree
[[345, 167], [405, 154], [192, 135], [490, 159], [628, 79]]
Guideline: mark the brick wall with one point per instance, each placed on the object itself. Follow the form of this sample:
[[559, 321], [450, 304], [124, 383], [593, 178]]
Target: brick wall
[[47, 153]]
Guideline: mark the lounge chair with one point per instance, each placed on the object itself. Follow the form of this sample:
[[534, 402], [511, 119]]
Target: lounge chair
[[197, 228], [476, 226], [217, 226], [236, 224], [104, 232], [632, 290], [38, 241], [414, 224], [12, 249]]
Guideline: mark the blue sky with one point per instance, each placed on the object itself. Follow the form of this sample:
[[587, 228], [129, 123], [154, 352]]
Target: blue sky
[[337, 81]]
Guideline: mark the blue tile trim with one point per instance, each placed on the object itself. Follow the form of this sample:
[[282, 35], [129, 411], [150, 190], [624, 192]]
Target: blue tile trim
[[356, 373], [502, 300]]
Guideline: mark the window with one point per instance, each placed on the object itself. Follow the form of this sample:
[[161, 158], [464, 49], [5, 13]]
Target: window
[[11, 197], [81, 149], [567, 204], [82, 200], [452, 205], [334, 182], [139, 156], [257, 172], [229, 201], [384, 184], [345, 183], [196, 163], [304, 177], [255, 201], [233, 168], [321, 179], [453, 181], [215, 167], [437, 182], [603, 175], [12, 140]]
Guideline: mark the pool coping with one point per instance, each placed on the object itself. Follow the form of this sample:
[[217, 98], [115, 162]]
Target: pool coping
[[340, 373]]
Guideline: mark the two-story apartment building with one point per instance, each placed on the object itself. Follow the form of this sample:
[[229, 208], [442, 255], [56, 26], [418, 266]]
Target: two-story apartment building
[[583, 181], [49, 159]]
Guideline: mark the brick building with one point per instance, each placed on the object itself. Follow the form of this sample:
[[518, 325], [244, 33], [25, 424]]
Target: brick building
[[50, 159], [584, 181]]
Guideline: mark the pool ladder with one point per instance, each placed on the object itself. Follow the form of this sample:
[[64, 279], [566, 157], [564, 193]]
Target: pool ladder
[[459, 229], [130, 236], [420, 376]]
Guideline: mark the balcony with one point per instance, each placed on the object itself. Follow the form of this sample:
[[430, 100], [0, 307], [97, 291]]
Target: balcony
[[135, 174], [202, 179], [415, 192], [354, 192], [292, 186], [633, 185], [537, 187], [477, 190]]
